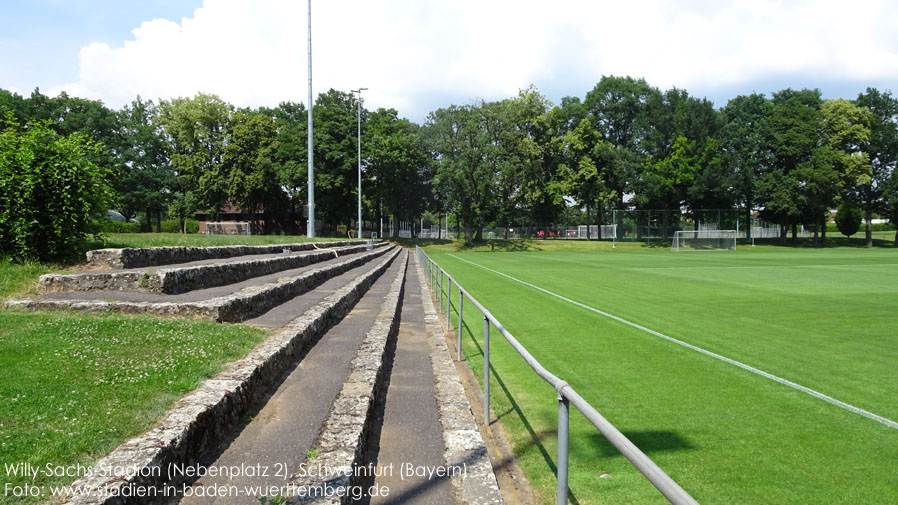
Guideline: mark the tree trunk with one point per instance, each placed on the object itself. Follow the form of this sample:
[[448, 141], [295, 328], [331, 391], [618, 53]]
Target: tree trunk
[[816, 229], [783, 230], [469, 234], [896, 237], [159, 222], [794, 234], [587, 222], [478, 237], [868, 220], [823, 232]]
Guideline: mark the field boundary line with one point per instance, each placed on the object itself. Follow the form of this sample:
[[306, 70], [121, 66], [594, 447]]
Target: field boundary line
[[745, 267], [816, 394]]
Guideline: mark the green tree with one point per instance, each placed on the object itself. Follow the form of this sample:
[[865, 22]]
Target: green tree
[[290, 154], [583, 173], [840, 165], [882, 149], [196, 130], [396, 161], [252, 182], [745, 148], [455, 141], [335, 131], [848, 219], [51, 192], [795, 128], [146, 180], [619, 108]]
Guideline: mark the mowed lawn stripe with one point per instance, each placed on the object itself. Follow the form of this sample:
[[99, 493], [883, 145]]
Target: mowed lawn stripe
[[816, 394], [831, 331], [720, 432]]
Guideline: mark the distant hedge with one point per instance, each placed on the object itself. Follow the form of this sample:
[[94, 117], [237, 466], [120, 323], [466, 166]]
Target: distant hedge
[[120, 227], [174, 226], [832, 228]]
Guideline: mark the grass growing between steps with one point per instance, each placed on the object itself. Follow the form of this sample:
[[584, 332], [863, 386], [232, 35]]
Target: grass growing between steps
[[75, 386]]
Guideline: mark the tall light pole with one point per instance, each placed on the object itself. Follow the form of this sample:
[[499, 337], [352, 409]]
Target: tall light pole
[[359, 108], [310, 227]]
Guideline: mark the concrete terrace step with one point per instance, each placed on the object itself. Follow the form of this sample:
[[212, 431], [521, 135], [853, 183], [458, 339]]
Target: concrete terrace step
[[203, 418], [152, 256], [289, 422], [402, 406], [179, 279], [246, 302]]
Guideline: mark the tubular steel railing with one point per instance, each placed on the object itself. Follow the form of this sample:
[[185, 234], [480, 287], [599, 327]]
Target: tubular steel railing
[[566, 394]]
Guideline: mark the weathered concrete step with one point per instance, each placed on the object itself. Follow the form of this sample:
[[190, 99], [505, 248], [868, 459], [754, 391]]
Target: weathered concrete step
[[182, 279], [200, 420], [406, 432], [334, 469], [287, 425], [152, 256], [234, 307], [197, 295]]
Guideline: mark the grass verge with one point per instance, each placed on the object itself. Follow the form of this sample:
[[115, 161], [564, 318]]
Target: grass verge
[[75, 386]]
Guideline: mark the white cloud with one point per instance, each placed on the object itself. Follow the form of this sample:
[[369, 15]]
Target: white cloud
[[408, 52]]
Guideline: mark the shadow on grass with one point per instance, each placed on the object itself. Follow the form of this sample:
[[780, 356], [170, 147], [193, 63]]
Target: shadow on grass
[[831, 242], [647, 441], [536, 438]]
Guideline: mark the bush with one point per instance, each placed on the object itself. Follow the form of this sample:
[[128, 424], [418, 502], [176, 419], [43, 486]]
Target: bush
[[174, 226], [52, 195], [848, 219], [120, 227]]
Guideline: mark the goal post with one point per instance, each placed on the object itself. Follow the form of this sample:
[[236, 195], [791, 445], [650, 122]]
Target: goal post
[[704, 240]]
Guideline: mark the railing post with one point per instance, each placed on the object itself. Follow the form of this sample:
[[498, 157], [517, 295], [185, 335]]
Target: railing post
[[564, 410], [486, 370], [461, 301], [448, 305], [440, 299]]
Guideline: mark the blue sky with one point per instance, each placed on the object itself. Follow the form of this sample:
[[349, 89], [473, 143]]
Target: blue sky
[[40, 39], [417, 55]]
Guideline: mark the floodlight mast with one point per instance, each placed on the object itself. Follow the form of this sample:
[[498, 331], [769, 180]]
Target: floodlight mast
[[359, 107], [310, 226]]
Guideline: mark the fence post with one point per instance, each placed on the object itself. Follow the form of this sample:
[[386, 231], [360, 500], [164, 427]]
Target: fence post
[[448, 305], [461, 301], [563, 435], [486, 370], [440, 299]]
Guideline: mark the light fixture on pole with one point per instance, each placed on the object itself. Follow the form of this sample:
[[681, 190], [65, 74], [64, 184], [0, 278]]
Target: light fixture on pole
[[359, 107], [310, 230]]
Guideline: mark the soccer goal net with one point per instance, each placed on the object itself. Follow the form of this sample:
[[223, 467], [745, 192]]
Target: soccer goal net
[[704, 240]]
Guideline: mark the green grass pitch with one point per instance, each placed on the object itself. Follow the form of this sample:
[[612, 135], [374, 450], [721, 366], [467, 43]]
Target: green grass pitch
[[825, 319]]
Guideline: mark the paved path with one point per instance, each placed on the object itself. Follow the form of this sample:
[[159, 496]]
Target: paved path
[[408, 429]]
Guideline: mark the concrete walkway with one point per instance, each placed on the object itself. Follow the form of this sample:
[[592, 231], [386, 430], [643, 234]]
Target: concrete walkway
[[407, 431], [276, 439]]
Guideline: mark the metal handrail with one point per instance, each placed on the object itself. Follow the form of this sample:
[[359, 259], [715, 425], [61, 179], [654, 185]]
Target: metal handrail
[[566, 396]]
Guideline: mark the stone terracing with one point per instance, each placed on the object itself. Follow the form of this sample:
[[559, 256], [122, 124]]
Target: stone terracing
[[187, 278], [477, 485], [206, 415], [153, 256], [341, 445], [230, 308]]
